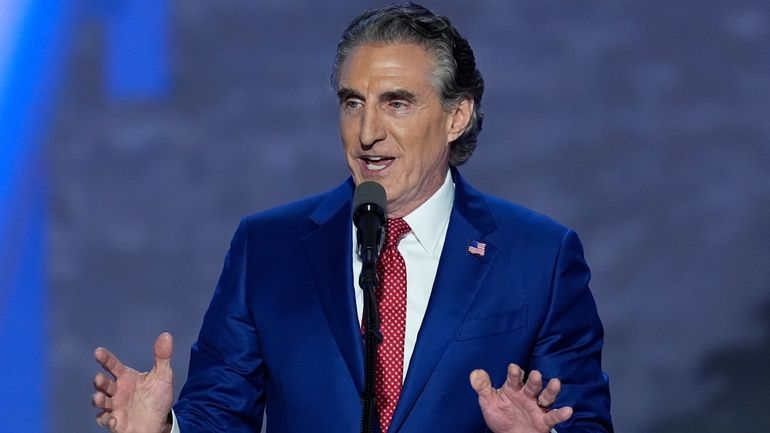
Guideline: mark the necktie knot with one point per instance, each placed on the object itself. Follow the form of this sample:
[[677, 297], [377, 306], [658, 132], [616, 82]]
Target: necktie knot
[[395, 229]]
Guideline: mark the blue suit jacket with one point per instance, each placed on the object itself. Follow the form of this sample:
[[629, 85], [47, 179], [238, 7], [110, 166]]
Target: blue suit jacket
[[282, 334]]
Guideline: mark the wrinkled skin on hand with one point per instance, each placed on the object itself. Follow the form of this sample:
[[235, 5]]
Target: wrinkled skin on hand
[[134, 402], [513, 408]]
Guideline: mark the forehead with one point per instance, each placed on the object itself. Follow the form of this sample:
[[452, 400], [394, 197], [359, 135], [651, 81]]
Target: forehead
[[384, 64]]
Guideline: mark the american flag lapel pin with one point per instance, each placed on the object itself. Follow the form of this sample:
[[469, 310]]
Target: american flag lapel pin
[[477, 248]]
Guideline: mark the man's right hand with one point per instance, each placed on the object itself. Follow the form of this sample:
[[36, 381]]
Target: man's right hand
[[134, 402]]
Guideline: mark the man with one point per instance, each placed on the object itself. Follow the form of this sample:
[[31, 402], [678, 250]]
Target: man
[[469, 284]]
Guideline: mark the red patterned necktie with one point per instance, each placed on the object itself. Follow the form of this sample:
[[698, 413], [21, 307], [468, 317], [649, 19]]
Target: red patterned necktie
[[391, 299]]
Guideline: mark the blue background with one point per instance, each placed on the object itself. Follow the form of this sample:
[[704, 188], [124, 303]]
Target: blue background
[[135, 133]]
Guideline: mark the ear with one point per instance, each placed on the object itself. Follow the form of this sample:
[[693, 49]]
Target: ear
[[459, 118]]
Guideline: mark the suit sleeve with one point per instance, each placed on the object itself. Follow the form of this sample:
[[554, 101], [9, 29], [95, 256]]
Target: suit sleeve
[[569, 344], [224, 391]]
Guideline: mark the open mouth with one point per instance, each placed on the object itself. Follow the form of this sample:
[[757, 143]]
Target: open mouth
[[376, 163]]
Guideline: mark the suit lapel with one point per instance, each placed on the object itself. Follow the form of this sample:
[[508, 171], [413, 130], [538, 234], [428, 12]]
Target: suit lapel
[[328, 252], [459, 276]]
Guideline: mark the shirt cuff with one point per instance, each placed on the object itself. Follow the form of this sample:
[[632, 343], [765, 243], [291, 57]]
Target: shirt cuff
[[175, 426]]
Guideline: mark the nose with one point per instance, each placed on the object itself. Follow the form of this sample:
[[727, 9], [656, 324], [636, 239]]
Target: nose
[[372, 129]]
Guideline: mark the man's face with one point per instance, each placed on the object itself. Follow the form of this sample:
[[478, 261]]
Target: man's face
[[393, 126]]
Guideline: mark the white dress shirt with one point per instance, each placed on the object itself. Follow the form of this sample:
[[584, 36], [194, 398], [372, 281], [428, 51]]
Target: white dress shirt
[[421, 248]]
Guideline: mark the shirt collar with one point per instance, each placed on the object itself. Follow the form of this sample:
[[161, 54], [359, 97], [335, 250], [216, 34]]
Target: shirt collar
[[429, 221]]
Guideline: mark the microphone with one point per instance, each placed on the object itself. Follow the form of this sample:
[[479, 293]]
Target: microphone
[[369, 204]]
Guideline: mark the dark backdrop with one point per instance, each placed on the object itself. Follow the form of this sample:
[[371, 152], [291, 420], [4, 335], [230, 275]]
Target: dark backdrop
[[642, 125]]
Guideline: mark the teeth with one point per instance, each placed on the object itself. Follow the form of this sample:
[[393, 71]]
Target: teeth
[[376, 163]]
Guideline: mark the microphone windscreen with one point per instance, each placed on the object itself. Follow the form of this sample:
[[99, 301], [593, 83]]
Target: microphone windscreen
[[370, 192]]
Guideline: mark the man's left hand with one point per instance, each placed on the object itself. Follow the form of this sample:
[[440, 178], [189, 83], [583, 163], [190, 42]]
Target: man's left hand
[[517, 407]]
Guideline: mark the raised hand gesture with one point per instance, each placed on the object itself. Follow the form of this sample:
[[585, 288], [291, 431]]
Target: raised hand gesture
[[134, 402], [517, 407]]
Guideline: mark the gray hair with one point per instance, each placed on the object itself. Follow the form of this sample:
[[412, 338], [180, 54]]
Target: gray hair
[[455, 75]]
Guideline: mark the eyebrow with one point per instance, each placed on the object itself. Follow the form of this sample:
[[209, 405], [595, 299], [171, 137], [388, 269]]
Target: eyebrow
[[391, 95], [345, 93]]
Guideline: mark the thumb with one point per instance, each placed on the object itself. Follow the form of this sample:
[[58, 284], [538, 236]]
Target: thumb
[[481, 384], [162, 350]]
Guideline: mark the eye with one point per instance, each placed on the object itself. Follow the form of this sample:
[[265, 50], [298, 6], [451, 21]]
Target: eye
[[351, 104], [398, 105]]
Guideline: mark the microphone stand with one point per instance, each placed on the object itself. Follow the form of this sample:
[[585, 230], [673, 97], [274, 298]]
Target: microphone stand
[[372, 336], [369, 218]]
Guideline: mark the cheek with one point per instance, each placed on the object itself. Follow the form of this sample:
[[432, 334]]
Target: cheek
[[435, 146], [347, 128], [349, 140]]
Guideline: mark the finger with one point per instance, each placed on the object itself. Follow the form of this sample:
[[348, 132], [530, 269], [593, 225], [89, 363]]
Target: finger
[[514, 381], [162, 351], [109, 362], [482, 384], [101, 401], [103, 419], [556, 416], [534, 385], [112, 423], [548, 396], [104, 384]]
